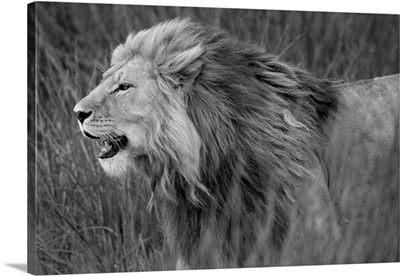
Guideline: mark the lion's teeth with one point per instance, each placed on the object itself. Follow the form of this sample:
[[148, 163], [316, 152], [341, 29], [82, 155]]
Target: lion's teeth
[[99, 144], [110, 147], [104, 145]]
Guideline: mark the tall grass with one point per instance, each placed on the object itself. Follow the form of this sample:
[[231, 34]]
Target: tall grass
[[85, 222]]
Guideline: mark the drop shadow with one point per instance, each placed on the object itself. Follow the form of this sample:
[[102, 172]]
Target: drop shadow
[[21, 267]]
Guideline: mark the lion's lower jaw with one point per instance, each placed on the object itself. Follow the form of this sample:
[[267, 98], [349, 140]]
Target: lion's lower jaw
[[116, 166]]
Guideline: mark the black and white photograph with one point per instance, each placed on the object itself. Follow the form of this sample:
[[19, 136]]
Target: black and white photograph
[[166, 137]]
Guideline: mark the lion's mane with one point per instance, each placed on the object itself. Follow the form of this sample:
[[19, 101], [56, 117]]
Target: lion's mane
[[238, 128]]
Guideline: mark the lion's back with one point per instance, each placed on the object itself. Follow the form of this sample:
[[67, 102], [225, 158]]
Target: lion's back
[[374, 95], [363, 136]]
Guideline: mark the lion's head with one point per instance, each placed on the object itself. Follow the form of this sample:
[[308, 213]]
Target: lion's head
[[138, 114]]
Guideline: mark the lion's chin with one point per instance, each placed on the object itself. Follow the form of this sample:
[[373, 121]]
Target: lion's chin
[[116, 166]]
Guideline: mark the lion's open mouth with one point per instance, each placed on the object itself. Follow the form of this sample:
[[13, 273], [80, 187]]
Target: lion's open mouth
[[110, 146]]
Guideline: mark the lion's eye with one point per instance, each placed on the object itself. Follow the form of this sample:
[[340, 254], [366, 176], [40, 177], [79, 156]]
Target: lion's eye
[[124, 86]]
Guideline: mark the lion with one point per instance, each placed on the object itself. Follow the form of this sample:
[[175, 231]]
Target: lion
[[234, 141]]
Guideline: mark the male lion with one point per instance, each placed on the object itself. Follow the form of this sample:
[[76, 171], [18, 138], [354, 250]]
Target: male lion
[[236, 143]]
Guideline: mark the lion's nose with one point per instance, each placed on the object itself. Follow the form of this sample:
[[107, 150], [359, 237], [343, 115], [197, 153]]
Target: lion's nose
[[82, 115]]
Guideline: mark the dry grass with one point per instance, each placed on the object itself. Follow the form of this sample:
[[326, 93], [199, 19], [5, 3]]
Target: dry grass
[[86, 222]]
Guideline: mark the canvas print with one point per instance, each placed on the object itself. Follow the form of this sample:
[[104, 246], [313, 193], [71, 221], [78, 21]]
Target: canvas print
[[163, 138]]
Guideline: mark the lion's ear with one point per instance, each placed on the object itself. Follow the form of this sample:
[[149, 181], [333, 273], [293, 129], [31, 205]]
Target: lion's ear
[[185, 67], [189, 74]]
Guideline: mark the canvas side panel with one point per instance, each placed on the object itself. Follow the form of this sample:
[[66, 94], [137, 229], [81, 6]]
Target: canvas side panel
[[32, 252]]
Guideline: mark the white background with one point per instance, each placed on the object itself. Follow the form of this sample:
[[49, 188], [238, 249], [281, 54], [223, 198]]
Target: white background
[[13, 108]]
